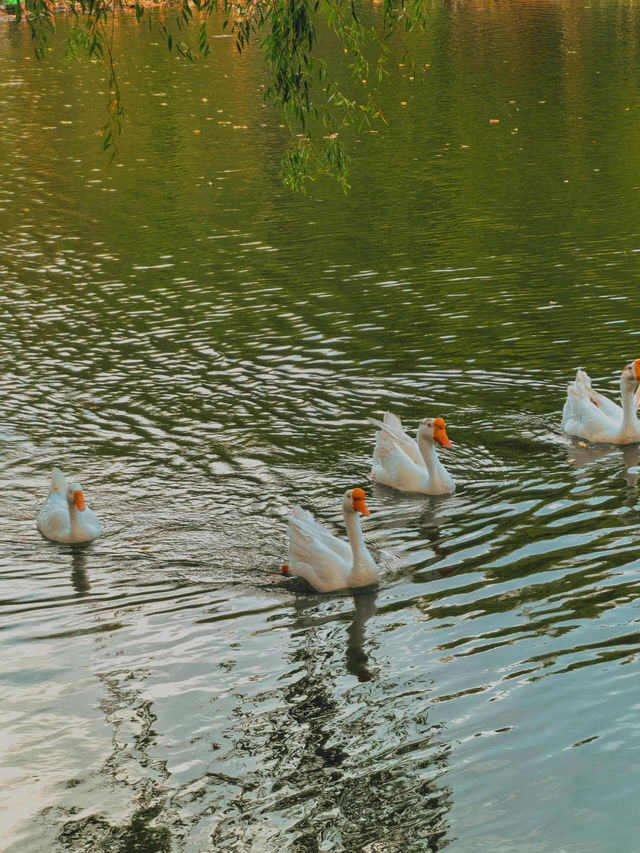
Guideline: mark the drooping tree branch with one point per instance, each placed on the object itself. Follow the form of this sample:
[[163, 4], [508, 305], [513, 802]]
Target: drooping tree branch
[[314, 105]]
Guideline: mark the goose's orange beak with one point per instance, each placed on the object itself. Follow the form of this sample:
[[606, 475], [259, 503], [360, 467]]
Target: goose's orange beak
[[636, 369], [78, 500], [440, 433], [357, 501]]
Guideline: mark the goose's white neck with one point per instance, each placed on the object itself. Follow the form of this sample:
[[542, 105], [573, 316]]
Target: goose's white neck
[[438, 474], [362, 560], [74, 520], [629, 416]]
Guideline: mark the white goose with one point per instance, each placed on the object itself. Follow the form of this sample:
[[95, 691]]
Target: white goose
[[65, 517], [326, 562], [590, 415], [408, 465]]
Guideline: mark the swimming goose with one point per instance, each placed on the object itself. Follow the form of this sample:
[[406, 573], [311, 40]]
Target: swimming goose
[[326, 562], [590, 415], [408, 465], [65, 517]]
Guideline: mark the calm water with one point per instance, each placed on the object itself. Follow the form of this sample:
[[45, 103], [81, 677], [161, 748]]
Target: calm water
[[201, 350]]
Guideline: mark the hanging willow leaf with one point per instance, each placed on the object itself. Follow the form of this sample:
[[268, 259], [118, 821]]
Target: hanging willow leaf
[[302, 83]]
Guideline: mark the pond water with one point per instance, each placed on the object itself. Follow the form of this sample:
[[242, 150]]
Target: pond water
[[201, 350]]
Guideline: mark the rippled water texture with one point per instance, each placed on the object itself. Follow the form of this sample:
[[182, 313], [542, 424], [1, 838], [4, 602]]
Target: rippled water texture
[[201, 350]]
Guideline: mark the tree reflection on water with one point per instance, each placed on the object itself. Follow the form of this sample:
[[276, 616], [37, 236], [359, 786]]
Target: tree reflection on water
[[129, 768], [343, 765]]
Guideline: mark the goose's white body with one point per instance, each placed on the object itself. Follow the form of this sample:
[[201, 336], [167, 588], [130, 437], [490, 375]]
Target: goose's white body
[[408, 465], [326, 562], [60, 519], [590, 415]]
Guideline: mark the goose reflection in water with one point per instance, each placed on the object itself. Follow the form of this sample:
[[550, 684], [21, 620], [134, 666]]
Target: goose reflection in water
[[79, 577], [364, 608], [356, 657], [585, 456], [415, 532]]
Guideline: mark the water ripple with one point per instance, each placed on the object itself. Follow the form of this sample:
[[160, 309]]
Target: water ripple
[[202, 351]]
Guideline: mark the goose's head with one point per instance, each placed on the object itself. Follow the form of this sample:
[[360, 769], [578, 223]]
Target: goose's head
[[433, 429], [631, 373], [75, 496], [354, 501]]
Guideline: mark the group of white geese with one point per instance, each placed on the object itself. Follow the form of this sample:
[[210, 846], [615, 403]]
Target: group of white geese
[[399, 461]]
